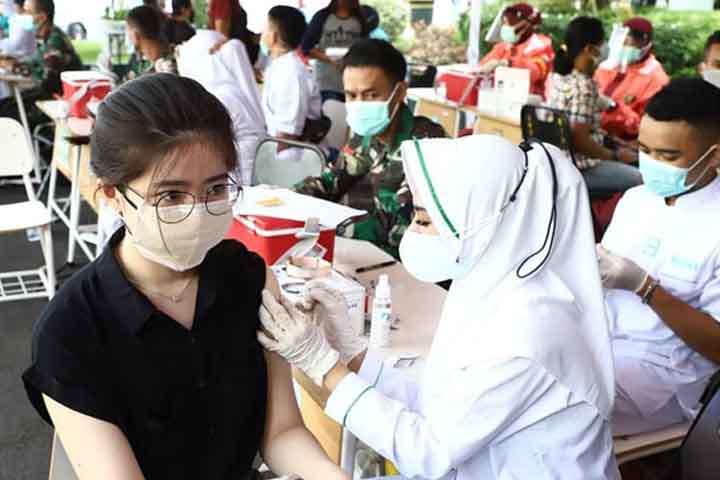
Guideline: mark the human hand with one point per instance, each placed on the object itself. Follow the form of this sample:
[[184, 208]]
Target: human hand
[[618, 272], [215, 48], [491, 65], [330, 312], [295, 338]]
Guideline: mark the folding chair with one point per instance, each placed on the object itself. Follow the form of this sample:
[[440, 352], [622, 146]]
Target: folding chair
[[336, 112], [548, 125], [271, 169], [700, 452], [17, 159]]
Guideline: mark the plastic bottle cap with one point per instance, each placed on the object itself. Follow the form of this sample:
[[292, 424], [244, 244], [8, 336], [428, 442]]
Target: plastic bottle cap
[[383, 287]]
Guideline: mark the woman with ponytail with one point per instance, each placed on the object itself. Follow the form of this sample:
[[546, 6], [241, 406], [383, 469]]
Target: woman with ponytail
[[573, 90]]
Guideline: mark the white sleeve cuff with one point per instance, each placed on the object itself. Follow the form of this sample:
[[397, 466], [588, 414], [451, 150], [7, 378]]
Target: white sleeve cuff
[[371, 366], [344, 395]]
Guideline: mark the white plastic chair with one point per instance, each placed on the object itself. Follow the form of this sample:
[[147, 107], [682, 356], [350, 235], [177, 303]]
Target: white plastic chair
[[17, 159], [281, 171], [337, 113]]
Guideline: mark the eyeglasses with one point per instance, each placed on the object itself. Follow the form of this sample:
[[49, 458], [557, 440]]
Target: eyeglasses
[[175, 206]]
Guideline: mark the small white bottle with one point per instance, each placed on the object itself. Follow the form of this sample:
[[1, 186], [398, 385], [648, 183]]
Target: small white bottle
[[381, 314]]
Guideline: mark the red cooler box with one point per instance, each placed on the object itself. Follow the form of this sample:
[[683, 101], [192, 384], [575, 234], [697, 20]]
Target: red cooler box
[[456, 83], [80, 87], [271, 237]]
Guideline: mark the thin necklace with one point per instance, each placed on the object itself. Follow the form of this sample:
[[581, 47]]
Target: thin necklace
[[177, 298]]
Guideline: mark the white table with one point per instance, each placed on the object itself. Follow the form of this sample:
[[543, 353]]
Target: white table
[[417, 304]]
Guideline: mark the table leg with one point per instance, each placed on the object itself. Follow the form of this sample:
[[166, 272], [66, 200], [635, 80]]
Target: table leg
[[347, 452], [74, 207], [51, 185]]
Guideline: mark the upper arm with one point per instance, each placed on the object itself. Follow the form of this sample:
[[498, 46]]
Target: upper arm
[[710, 296], [222, 25], [313, 33], [110, 458], [282, 409], [288, 106]]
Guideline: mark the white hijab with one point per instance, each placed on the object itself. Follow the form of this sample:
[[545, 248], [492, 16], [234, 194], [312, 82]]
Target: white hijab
[[556, 315], [229, 76]]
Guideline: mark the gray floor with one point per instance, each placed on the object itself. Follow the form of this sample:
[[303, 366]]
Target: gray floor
[[24, 437]]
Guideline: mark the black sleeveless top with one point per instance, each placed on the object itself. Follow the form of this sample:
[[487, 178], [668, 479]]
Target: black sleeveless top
[[191, 403]]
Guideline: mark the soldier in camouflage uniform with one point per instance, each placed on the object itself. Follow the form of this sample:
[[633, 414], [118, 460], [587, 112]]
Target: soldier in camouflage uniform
[[369, 170], [153, 53], [55, 53]]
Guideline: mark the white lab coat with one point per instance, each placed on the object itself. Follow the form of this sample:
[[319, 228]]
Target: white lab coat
[[680, 247], [509, 420], [228, 75], [518, 383]]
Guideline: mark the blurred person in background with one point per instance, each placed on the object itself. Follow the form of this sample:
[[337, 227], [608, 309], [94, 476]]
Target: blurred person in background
[[178, 28], [573, 90], [230, 19], [710, 66], [522, 46], [54, 54], [337, 26], [145, 28], [631, 80]]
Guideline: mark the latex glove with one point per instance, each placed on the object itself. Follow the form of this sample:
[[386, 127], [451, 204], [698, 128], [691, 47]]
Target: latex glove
[[330, 311], [619, 272], [295, 338]]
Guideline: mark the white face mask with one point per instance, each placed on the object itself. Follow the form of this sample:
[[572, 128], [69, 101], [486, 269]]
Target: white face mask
[[434, 258], [179, 246], [429, 258]]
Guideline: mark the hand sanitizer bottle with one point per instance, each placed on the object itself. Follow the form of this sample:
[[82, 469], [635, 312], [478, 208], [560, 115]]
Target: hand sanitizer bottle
[[381, 314]]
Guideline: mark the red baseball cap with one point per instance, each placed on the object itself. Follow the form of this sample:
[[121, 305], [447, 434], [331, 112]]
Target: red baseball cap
[[640, 25], [524, 11]]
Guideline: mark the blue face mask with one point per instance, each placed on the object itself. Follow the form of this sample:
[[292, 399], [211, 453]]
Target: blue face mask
[[667, 180], [368, 119], [630, 54], [508, 34]]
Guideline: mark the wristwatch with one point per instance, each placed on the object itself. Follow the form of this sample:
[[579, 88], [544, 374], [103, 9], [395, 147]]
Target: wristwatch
[[647, 294]]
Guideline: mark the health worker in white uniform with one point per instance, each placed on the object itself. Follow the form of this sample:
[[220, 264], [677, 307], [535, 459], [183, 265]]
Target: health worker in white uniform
[[229, 76], [660, 263], [519, 380]]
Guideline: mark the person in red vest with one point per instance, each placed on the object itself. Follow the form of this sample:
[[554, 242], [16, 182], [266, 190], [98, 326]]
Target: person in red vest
[[630, 81], [522, 47]]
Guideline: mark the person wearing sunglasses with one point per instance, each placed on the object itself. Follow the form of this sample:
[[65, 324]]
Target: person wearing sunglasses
[[150, 351]]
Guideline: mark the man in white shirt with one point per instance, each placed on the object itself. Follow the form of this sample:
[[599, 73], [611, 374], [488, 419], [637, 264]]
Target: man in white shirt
[[290, 95], [660, 261]]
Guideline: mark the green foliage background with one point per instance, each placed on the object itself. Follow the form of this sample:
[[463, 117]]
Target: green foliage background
[[394, 16]]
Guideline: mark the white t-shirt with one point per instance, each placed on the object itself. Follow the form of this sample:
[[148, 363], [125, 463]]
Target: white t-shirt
[[290, 96], [680, 247]]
